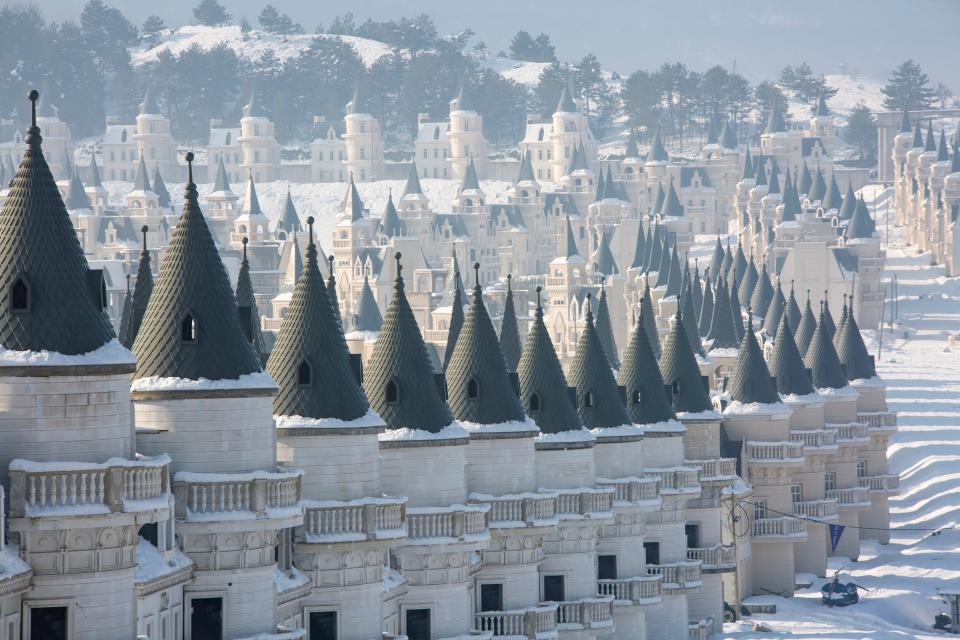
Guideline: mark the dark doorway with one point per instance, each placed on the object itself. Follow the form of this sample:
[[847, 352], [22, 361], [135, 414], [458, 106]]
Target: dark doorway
[[491, 597], [652, 552], [206, 618], [48, 623], [323, 625], [693, 535], [418, 624], [149, 533], [553, 590], [607, 567]]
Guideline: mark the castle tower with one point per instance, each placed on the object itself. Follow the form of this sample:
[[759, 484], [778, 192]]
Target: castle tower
[[569, 131], [362, 139], [153, 139], [822, 124], [568, 272], [221, 205], [57, 141], [258, 142], [465, 136]]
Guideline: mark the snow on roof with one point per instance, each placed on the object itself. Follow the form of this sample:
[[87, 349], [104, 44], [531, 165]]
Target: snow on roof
[[369, 419], [152, 565], [432, 132], [258, 380], [111, 353]]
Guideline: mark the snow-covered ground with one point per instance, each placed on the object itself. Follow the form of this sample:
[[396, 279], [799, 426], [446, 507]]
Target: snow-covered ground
[[923, 374]]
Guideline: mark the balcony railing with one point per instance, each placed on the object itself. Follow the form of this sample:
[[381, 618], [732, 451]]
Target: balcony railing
[[816, 509], [448, 525], [372, 519], [523, 510], [634, 492], [879, 421], [719, 556], [816, 438], [588, 613], [775, 452], [700, 630], [853, 497], [677, 480], [779, 528], [718, 469], [638, 590], [532, 623], [881, 484], [215, 496], [850, 432], [585, 503], [678, 575], [76, 488]]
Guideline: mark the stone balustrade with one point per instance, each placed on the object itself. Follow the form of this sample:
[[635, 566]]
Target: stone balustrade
[[678, 575], [785, 527], [815, 439], [232, 496], [715, 470], [77, 488], [448, 525], [881, 484], [879, 421], [850, 498], [816, 509], [788, 452], [638, 589], [677, 480], [328, 521], [700, 630], [588, 613], [520, 510], [533, 623], [585, 502], [634, 491], [715, 558], [850, 432]]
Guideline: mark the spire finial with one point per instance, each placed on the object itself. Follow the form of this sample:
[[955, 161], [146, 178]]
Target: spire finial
[[189, 158], [603, 280], [330, 262], [310, 227], [539, 289], [33, 96], [509, 278], [476, 272], [128, 283], [808, 296], [397, 257], [244, 241], [144, 230], [749, 318]]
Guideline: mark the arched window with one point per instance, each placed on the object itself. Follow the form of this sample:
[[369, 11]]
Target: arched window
[[636, 397], [588, 399], [188, 329], [392, 392], [304, 374], [533, 405], [473, 389], [19, 296]]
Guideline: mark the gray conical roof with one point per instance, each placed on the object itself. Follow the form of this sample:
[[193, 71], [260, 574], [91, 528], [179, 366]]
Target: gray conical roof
[[748, 173], [470, 181], [905, 122], [39, 249], [786, 364], [833, 198], [124, 332], [689, 315], [748, 281], [722, 332], [289, 219], [716, 261], [776, 309], [955, 160], [353, 200], [819, 189], [706, 310], [679, 369], [358, 102], [648, 242], [917, 136], [509, 333], [806, 180], [149, 104], [368, 317], [247, 305], [604, 330], [221, 182], [736, 310], [713, 136], [640, 249], [825, 315], [543, 388], [728, 138], [849, 203], [762, 293], [601, 186], [525, 173], [142, 291], [164, 200], [861, 224], [639, 375], [943, 154], [603, 261], [569, 248], [332, 292], [463, 100], [671, 205], [598, 400], [774, 183], [750, 381], [658, 199], [697, 290], [310, 360], [141, 182], [193, 284], [775, 121], [821, 358], [738, 266], [791, 201], [649, 321], [804, 331], [412, 185], [632, 151], [852, 352], [578, 162], [843, 319], [821, 109], [792, 311], [565, 104], [931, 142], [655, 255], [251, 202], [727, 262], [95, 180], [675, 278], [390, 222], [478, 385], [400, 363], [456, 321], [657, 152], [76, 195]]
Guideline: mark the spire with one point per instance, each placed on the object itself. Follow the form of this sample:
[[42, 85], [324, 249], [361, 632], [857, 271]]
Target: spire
[[762, 293], [601, 187], [775, 310], [822, 109], [368, 316], [750, 381], [639, 375], [142, 291], [141, 182], [825, 367], [566, 104], [399, 380], [160, 188], [728, 138], [727, 262], [76, 195], [716, 261], [310, 361], [470, 181], [632, 151], [191, 328], [775, 121], [736, 311], [804, 331], [251, 203], [738, 266], [289, 219], [332, 292], [793, 310], [462, 101], [722, 332], [849, 203], [697, 290], [943, 154], [786, 364], [43, 272], [358, 102], [663, 268], [658, 199], [748, 281], [861, 224], [748, 173], [291, 263], [675, 279], [671, 206], [774, 184], [252, 109], [806, 181], [353, 201], [791, 201], [832, 200], [649, 321], [456, 321], [570, 244], [598, 399], [843, 320], [149, 104], [525, 174], [412, 185], [905, 122], [826, 315], [681, 373], [706, 310], [221, 183], [918, 136], [760, 171], [640, 249], [931, 143], [819, 189], [509, 333], [124, 333], [478, 385], [657, 152], [604, 330], [390, 223], [655, 254], [689, 316], [857, 363], [543, 388], [247, 306], [603, 261], [648, 242]]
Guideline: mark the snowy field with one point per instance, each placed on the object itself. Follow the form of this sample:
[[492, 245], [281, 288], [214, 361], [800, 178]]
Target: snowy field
[[923, 374]]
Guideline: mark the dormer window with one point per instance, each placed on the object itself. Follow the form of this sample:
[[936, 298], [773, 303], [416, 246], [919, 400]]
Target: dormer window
[[473, 389], [392, 392], [636, 397], [588, 399], [533, 405], [304, 374], [19, 296], [188, 329]]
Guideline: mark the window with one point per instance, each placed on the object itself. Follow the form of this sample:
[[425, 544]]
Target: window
[[304, 374], [588, 399], [19, 296], [553, 589], [322, 625], [533, 405], [392, 392], [149, 533], [113, 156], [651, 551], [830, 481], [153, 153], [692, 532], [206, 618], [796, 492], [48, 623], [473, 389], [188, 329], [256, 156], [759, 509], [636, 397], [417, 624], [363, 127], [607, 567], [861, 468], [363, 153], [491, 597]]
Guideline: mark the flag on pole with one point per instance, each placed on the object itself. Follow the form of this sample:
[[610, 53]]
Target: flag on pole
[[836, 530]]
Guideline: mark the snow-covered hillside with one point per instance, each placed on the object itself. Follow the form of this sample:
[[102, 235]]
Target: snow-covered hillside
[[850, 92]]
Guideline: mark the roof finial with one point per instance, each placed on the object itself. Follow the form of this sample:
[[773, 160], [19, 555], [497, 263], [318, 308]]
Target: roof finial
[[144, 230], [189, 158], [33, 96], [330, 262], [310, 227], [128, 283], [397, 257], [244, 241], [476, 272], [603, 280], [749, 318], [539, 289], [509, 278], [808, 296]]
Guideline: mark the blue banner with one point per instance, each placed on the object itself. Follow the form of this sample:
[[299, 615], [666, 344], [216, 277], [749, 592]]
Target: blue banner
[[836, 530]]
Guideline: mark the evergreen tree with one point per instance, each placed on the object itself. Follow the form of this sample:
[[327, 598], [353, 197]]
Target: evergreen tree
[[552, 81], [600, 103], [521, 46], [861, 132], [641, 96], [108, 34], [543, 49], [211, 13], [245, 27], [152, 28], [503, 103], [908, 88], [273, 21], [344, 25], [767, 95]]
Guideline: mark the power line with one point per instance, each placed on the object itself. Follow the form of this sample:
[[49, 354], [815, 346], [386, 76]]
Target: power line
[[850, 526]]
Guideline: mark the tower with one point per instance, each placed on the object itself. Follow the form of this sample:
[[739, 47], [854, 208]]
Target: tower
[[465, 136], [153, 139], [258, 143], [362, 139]]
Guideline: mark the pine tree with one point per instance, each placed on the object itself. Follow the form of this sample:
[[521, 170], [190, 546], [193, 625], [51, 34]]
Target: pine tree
[[211, 13], [861, 132], [273, 21], [521, 46], [908, 88], [640, 96], [151, 30], [552, 81], [543, 49]]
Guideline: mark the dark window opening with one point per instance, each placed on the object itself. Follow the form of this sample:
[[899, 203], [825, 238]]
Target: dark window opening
[[188, 329], [636, 397], [607, 567], [149, 533], [553, 590], [104, 299], [491, 597], [417, 624], [392, 392], [651, 551], [534, 403], [304, 374], [588, 399], [473, 389], [206, 618], [48, 623], [19, 296], [323, 625], [693, 535]]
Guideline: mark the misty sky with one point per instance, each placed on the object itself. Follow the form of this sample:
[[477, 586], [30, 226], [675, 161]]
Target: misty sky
[[868, 37]]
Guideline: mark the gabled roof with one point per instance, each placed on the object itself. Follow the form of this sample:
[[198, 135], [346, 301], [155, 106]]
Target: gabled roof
[[857, 363], [456, 321], [649, 321], [821, 358], [722, 332], [509, 333], [680, 371], [247, 306], [478, 385], [706, 310], [142, 290], [40, 249], [687, 175], [604, 330], [399, 378], [748, 281], [639, 375], [728, 138], [786, 364], [603, 261], [192, 297], [141, 181], [368, 317], [310, 360], [76, 195], [750, 381], [543, 388], [775, 310], [289, 219], [221, 182], [657, 152], [598, 400], [412, 185]]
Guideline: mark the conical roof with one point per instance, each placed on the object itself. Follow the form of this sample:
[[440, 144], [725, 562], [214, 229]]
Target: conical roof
[[748, 281], [289, 219], [931, 142], [603, 261], [95, 180], [42, 261], [164, 200], [463, 100], [332, 292], [851, 351], [604, 330], [412, 185], [470, 181], [647, 249], [775, 121], [543, 388], [791, 201], [142, 291], [368, 317], [657, 151], [655, 255], [832, 199], [849, 203], [191, 328], [358, 103], [680, 372], [221, 182], [955, 160], [861, 224], [819, 189], [727, 262], [251, 203], [706, 310], [141, 182], [843, 319], [748, 173], [390, 222], [696, 290], [478, 385], [671, 205], [649, 321], [76, 195], [569, 248], [728, 137], [792, 311], [310, 360], [736, 310], [918, 136], [716, 261], [804, 331], [738, 266], [722, 333], [247, 305], [509, 333], [821, 109], [762, 293], [786, 364], [525, 174], [775, 310], [828, 317], [943, 154], [905, 122], [821, 358], [149, 104], [689, 315], [456, 321], [639, 375], [124, 333], [774, 184], [598, 398], [713, 136], [640, 249], [399, 380], [750, 381], [675, 278], [566, 104], [806, 180], [658, 199], [352, 200], [601, 185]]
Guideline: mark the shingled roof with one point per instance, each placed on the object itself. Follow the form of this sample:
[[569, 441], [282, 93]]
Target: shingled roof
[[657, 151], [736, 310], [191, 328], [706, 309], [332, 291], [543, 388], [821, 358], [851, 351], [125, 315], [748, 173], [786, 364], [689, 316], [604, 330], [671, 205], [679, 369], [640, 248], [456, 320], [603, 261], [247, 306], [806, 180], [849, 203], [142, 290], [722, 332], [825, 315], [76, 195], [775, 310], [728, 138], [833, 198], [716, 260], [368, 317], [738, 266], [598, 399], [649, 321], [44, 275], [748, 281], [289, 219], [750, 381], [762, 293], [793, 312], [675, 277], [803, 333], [509, 334], [639, 375], [861, 225]]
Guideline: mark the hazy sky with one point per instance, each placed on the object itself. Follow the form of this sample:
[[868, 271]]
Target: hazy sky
[[869, 37]]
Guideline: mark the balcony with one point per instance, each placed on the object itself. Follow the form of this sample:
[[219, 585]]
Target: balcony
[[850, 432], [777, 529], [327, 521], [342, 243], [879, 421], [778, 453], [555, 281], [816, 440], [888, 484], [535, 623], [588, 613], [634, 493], [585, 503], [39, 489], [677, 480], [639, 590], [521, 510], [221, 497], [678, 576], [455, 524], [718, 470], [816, 509], [700, 630], [716, 559], [852, 498]]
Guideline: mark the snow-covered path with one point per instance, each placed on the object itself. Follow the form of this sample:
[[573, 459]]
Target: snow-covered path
[[923, 374]]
